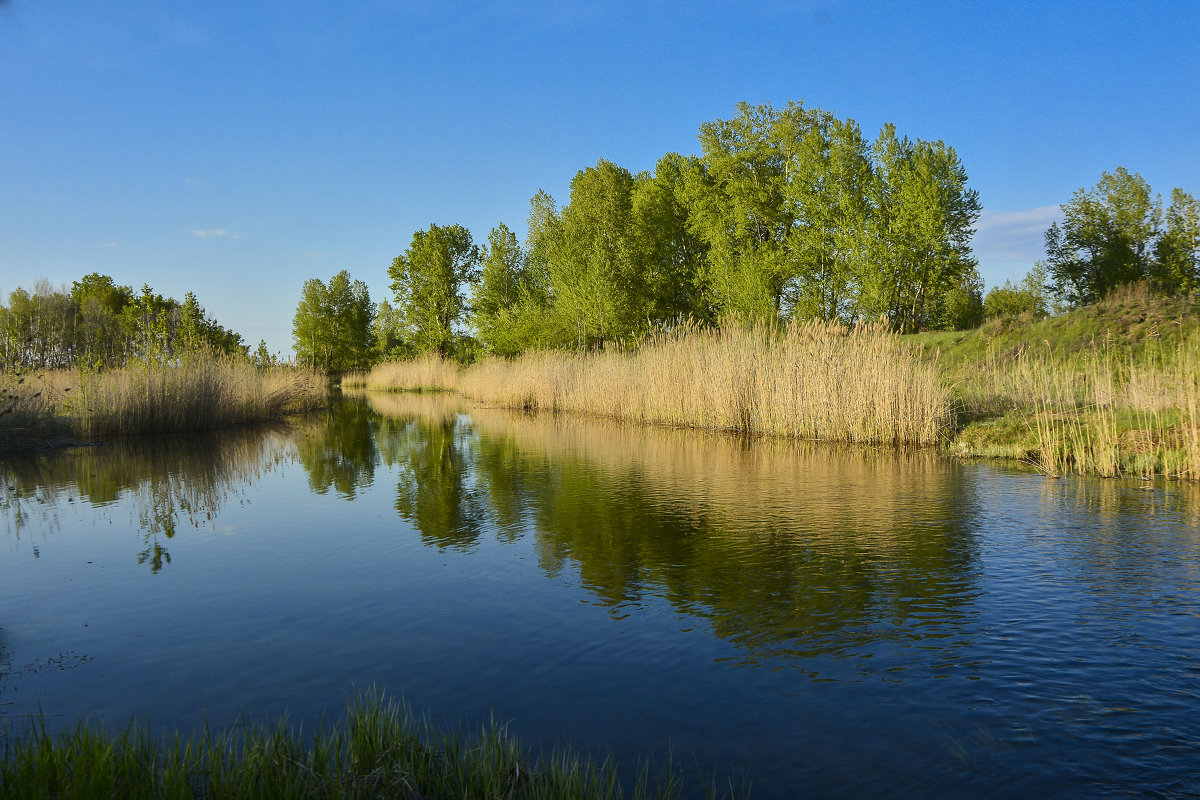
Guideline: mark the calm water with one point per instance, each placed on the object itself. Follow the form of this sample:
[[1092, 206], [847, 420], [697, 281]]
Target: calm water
[[829, 622]]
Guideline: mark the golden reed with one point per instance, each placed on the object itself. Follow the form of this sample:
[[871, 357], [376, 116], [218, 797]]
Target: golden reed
[[808, 380]]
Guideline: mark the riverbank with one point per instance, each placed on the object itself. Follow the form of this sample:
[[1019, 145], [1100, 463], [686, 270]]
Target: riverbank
[[205, 392], [378, 749], [810, 380], [1110, 389]]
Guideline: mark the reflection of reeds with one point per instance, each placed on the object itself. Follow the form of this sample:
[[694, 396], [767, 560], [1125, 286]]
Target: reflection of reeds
[[202, 393], [810, 380], [769, 482], [379, 749], [435, 408]]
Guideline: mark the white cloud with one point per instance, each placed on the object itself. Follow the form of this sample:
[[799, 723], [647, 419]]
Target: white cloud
[[204, 234], [192, 181], [1014, 235], [109, 244]]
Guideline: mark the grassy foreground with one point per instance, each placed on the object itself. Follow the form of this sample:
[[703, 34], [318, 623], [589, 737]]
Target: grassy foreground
[[378, 750], [203, 393]]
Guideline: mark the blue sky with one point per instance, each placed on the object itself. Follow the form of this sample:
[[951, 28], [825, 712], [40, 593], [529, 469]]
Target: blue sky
[[236, 149]]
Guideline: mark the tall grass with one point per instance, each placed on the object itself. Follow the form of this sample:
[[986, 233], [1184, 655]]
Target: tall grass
[[429, 372], [808, 380], [205, 392], [1102, 410], [378, 750]]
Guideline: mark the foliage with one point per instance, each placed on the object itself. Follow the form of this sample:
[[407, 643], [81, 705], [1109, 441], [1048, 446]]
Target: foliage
[[429, 280], [1112, 235], [1011, 300], [101, 324], [331, 330]]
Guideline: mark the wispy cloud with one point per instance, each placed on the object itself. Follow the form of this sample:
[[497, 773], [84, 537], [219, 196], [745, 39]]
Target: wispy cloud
[[1014, 235], [192, 181], [221, 232], [109, 244]]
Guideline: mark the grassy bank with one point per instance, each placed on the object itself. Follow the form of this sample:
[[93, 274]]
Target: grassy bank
[[1108, 390], [379, 749], [203, 393]]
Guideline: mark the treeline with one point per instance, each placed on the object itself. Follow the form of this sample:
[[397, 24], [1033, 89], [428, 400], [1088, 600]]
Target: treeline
[[786, 214], [1112, 235], [99, 324]]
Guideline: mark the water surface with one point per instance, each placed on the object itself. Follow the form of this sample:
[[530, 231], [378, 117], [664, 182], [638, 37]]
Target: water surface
[[829, 621]]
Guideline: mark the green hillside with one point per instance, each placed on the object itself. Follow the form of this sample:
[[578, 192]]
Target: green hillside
[[1110, 388]]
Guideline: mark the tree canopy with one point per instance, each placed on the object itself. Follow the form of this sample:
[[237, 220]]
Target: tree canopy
[[429, 280], [332, 326], [1113, 234]]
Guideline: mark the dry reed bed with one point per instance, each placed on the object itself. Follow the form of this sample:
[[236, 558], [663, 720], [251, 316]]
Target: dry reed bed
[[429, 372], [203, 393], [810, 380]]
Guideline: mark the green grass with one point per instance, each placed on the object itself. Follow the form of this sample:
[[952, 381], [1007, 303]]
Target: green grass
[[1110, 389], [380, 749]]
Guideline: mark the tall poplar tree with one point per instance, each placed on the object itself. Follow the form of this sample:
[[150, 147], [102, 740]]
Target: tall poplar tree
[[430, 280]]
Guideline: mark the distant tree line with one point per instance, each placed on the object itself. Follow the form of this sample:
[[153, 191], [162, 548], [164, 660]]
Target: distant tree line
[[787, 213], [1112, 234], [100, 324]]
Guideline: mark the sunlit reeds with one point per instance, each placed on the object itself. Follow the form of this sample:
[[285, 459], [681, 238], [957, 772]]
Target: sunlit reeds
[[379, 749], [203, 393], [809, 380], [428, 373], [1100, 410]]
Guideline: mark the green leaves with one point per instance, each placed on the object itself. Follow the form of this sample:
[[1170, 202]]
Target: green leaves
[[1112, 234], [429, 280], [332, 326]]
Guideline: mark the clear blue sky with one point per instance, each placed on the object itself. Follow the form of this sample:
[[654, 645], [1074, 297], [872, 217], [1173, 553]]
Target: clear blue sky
[[236, 149]]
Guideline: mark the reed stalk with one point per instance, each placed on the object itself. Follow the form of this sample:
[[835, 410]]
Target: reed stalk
[[808, 380], [204, 392]]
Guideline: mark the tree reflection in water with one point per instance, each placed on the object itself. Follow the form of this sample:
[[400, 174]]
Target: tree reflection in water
[[170, 481], [783, 547]]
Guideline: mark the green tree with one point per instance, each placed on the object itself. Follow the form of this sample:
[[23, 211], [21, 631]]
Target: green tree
[[429, 280], [504, 282], [1029, 296], [672, 255], [99, 304], [597, 280], [923, 217], [1107, 238], [331, 329], [389, 341], [1177, 252], [828, 194], [738, 206]]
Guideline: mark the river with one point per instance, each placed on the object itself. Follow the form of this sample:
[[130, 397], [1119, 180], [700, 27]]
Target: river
[[810, 619]]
